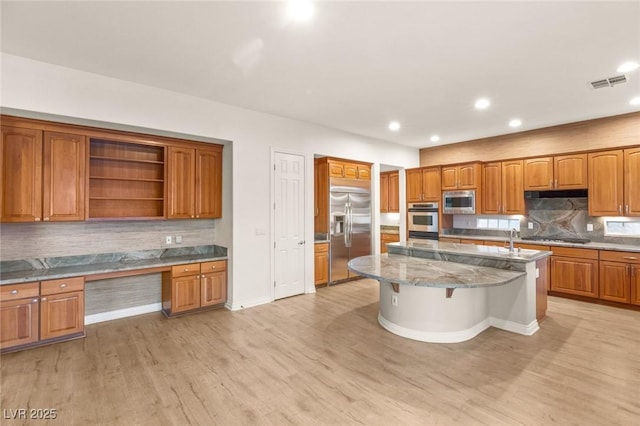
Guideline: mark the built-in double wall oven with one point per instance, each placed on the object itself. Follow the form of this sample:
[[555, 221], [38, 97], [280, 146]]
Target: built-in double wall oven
[[423, 221]]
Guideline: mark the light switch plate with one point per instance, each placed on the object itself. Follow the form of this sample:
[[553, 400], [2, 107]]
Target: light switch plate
[[530, 225], [589, 227], [178, 239], [167, 239]]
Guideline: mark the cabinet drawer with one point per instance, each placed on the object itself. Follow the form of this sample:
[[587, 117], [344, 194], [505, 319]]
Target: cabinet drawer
[[321, 247], [184, 270], [533, 247], [575, 252], [620, 256], [390, 238], [215, 266], [62, 286], [19, 291]]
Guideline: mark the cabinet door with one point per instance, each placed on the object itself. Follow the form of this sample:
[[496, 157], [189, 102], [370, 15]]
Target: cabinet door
[[574, 276], [614, 282], [185, 293], [208, 183], [18, 322], [350, 171], [635, 284], [469, 176], [384, 192], [21, 173], [570, 171], [431, 190], [321, 221], [449, 177], [538, 174], [414, 185], [491, 188], [214, 288], [512, 187], [61, 314], [181, 183], [606, 183], [321, 266], [336, 169], [364, 172], [394, 192], [64, 177], [632, 182]]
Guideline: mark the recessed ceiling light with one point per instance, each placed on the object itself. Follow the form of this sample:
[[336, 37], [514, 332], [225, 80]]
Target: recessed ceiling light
[[482, 103], [628, 67], [434, 138], [394, 126], [516, 122], [635, 101], [300, 10]]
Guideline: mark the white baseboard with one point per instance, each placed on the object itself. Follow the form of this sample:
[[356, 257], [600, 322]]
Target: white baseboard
[[435, 337], [236, 306], [122, 313], [514, 327]]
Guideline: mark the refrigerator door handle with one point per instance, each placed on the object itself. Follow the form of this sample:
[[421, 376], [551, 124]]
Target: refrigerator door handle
[[348, 225]]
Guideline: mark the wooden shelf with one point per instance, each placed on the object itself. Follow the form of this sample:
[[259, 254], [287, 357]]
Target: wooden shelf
[[127, 160], [125, 198], [126, 179]]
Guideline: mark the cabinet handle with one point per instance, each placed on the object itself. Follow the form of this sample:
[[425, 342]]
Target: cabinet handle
[[191, 216], [627, 209], [630, 257], [551, 183], [34, 300], [63, 285], [197, 216], [620, 209], [46, 219], [37, 219], [14, 291], [44, 299], [555, 184]]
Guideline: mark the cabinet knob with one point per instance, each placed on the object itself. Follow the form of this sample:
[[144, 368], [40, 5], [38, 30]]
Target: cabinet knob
[[63, 285], [197, 216], [213, 267], [34, 300], [14, 291], [46, 219], [44, 299], [191, 216], [186, 269], [37, 219]]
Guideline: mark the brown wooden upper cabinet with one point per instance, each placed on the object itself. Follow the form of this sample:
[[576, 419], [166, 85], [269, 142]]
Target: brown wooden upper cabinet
[[423, 184], [559, 172], [503, 187], [194, 182], [43, 176], [348, 170], [389, 192], [614, 187], [463, 176]]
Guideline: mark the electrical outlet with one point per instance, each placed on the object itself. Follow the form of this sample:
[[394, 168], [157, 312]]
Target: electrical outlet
[[178, 239], [394, 299], [167, 239], [589, 227], [530, 225]]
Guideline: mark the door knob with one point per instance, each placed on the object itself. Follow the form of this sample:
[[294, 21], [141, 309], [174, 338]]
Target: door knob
[[301, 243]]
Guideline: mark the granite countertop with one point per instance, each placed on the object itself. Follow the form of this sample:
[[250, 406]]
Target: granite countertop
[[467, 250], [28, 270], [592, 245], [321, 241], [408, 270], [390, 229]]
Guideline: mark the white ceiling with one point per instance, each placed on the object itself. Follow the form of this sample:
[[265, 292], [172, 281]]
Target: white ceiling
[[356, 65]]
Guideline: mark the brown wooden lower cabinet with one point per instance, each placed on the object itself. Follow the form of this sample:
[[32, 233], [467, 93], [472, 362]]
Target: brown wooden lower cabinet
[[194, 286], [449, 240], [387, 238], [574, 271], [321, 263], [33, 314], [619, 276]]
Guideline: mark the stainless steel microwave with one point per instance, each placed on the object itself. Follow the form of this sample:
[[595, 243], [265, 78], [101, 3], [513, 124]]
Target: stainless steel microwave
[[459, 202]]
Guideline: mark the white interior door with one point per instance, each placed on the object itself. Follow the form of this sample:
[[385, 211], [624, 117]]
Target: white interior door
[[289, 191]]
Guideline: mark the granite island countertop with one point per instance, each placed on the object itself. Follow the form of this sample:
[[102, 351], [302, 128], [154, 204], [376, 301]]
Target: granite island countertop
[[29, 270], [415, 271]]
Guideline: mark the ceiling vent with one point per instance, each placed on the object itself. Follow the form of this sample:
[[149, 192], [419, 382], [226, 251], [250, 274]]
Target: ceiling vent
[[609, 82]]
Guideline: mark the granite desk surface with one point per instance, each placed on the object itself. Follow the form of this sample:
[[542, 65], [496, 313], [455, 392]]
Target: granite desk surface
[[469, 250], [408, 270], [29, 270], [594, 245]]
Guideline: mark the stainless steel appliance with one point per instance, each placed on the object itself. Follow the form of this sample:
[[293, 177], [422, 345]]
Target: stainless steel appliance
[[459, 202], [349, 225], [423, 221]]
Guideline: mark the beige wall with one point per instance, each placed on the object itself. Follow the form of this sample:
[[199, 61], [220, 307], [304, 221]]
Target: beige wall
[[603, 133]]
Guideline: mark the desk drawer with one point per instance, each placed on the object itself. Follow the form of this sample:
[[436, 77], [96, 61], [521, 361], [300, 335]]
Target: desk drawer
[[62, 286], [19, 291], [215, 266], [184, 270]]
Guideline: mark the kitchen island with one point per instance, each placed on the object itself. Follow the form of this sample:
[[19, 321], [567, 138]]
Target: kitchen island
[[444, 292]]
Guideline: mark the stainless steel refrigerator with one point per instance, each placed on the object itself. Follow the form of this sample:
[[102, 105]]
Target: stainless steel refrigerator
[[349, 225]]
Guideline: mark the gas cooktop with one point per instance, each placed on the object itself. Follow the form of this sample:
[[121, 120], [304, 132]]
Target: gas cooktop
[[556, 238]]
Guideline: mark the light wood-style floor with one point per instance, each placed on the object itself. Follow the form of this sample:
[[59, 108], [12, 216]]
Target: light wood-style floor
[[323, 359]]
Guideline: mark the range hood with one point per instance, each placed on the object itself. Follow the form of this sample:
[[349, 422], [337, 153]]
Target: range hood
[[568, 193]]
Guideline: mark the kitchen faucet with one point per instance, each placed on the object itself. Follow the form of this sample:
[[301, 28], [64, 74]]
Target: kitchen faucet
[[512, 234]]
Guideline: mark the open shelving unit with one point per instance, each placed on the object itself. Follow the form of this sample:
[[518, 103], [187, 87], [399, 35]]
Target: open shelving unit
[[126, 180]]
